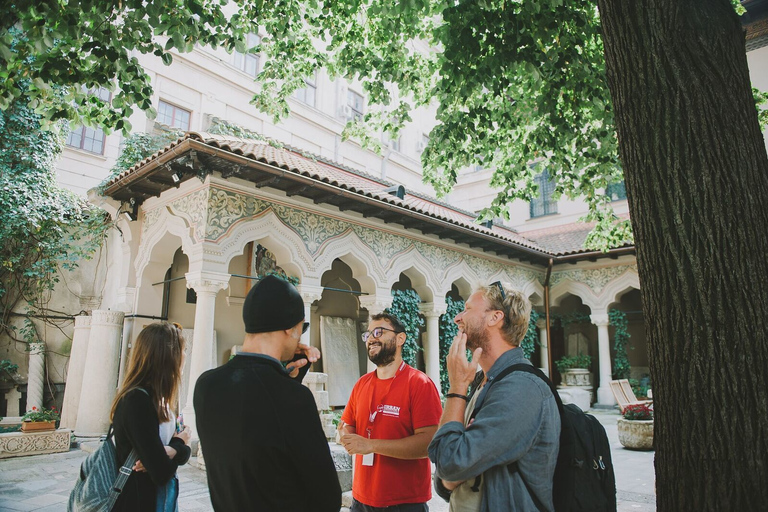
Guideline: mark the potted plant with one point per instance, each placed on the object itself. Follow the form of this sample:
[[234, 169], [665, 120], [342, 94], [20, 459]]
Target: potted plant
[[38, 420], [636, 427], [575, 370]]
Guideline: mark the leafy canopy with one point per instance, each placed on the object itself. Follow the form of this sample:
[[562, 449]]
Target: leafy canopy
[[514, 82]]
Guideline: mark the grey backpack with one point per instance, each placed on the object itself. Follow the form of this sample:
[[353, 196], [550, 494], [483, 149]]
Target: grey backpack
[[100, 482]]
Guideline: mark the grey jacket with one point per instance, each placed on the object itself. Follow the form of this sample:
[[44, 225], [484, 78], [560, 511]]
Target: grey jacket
[[518, 421]]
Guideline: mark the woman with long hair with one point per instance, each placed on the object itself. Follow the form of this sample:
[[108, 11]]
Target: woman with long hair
[[143, 420]]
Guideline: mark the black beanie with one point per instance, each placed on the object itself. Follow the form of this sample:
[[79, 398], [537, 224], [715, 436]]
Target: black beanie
[[272, 305]]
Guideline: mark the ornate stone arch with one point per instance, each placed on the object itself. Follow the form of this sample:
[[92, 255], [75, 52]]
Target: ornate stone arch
[[613, 291], [419, 270], [454, 273], [269, 229], [364, 263], [164, 234], [567, 286]]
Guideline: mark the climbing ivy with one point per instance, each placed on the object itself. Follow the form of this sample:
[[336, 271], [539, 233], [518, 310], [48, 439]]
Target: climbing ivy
[[448, 331], [405, 306], [620, 325], [138, 146], [44, 229], [531, 338]]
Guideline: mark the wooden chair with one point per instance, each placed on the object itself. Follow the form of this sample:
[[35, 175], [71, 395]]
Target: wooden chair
[[624, 395]]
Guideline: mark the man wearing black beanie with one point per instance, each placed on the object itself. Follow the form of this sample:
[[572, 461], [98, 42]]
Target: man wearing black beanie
[[259, 430]]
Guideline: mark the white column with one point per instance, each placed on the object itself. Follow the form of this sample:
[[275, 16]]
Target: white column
[[206, 285], [309, 294], [75, 371], [604, 394], [432, 312], [544, 364], [100, 375], [36, 376]]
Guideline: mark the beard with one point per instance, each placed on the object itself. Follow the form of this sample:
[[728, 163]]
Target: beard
[[385, 355], [477, 337]]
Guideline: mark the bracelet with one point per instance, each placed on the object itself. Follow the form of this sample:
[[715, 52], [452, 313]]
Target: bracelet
[[456, 395]]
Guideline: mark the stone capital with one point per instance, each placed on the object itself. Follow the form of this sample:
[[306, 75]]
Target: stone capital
[[600, 319], [541, 323], [107, 317], [207, 282], [375, 303], [310, 293], [36, 349], [433, 309]]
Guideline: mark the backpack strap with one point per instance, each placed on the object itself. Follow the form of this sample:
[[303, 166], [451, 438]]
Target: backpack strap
[[528, 368]]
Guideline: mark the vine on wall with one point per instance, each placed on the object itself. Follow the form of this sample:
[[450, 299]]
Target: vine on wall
[[620, 324], [448, 331], [405, 306], [531, 338]]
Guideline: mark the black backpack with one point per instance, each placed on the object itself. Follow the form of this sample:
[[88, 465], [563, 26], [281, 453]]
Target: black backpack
[[584, 479]]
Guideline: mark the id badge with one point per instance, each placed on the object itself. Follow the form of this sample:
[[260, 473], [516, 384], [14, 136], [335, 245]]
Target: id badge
[[368, 459]]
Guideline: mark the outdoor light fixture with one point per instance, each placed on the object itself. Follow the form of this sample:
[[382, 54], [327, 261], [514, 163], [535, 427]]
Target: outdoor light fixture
[[175, 177], [133, 212]]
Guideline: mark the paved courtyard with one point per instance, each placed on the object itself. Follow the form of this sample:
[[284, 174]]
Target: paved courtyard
[[43, 482]]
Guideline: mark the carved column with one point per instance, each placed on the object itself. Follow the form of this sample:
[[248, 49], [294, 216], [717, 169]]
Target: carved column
[[432, 312], [36, 376], [544, 364], [604, 394], [100, 374], [75, 372], [206, 285], [309, 294]]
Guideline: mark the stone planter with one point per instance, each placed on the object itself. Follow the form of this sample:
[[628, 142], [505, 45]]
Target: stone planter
[[577, 377], [37, 426], [636, 434]]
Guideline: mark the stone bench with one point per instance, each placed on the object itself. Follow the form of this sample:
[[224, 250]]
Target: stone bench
[[21, 444]]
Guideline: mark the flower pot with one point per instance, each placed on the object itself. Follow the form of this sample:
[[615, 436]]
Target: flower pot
[[37, 426], [636, 434]]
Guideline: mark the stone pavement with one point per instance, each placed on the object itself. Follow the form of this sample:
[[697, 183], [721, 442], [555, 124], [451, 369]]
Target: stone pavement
[[43, 482]]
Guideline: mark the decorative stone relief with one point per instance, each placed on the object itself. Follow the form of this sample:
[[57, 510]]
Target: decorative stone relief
[[150, 219], [227, 207], [193, 207], [18, 444], [338, 340], [596, 279]]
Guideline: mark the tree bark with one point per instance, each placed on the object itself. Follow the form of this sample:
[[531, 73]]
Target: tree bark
[[696, 173]]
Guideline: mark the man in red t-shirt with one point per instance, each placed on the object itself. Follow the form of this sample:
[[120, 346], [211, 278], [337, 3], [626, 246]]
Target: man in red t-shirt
[[388, 423]]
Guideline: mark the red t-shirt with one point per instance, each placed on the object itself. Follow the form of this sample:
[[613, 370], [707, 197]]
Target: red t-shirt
[[404, 403]]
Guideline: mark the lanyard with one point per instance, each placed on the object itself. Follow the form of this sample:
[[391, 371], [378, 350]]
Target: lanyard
[[373, 411]]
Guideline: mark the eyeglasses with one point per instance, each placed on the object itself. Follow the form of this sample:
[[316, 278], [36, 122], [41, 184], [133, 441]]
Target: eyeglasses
[[498, 285], [304, 327], [377, 332]]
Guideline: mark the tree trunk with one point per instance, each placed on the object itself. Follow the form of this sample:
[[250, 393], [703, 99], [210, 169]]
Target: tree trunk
[[696, 172]]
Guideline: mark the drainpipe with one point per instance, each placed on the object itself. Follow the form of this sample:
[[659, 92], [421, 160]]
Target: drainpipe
[[546, 312]]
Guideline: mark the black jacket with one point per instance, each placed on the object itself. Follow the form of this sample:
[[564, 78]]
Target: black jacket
[[262, 440], [136, 427]]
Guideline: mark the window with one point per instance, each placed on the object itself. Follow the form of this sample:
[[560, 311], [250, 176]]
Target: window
[[173, 116], [355, 103], [89, 139], [421, 145], [393, 144], [544, 204], [616, 191], [248, 62], [307, 93]]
